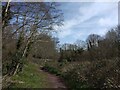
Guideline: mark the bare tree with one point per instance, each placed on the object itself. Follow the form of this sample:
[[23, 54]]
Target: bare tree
[[93, 40], [30, 20]]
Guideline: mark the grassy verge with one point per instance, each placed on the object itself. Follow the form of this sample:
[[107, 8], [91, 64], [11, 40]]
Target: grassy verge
[[52, 70], [30, 77]]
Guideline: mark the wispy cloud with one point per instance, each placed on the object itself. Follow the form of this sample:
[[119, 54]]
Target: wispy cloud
[[90, 18]]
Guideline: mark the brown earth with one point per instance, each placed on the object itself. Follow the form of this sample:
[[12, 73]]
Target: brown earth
[[55, 81]]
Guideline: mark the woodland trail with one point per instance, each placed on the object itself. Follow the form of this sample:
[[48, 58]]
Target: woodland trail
[[55, 81]]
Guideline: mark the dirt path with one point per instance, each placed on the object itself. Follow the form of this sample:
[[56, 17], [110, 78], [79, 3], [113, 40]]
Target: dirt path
[[55, 81]]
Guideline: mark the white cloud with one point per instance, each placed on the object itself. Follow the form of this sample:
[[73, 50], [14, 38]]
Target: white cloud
[[110, 21], [97, 9], [106, 14], [105, 22], [66, 29]]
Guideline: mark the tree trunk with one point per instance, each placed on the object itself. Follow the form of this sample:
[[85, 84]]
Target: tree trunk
[[25, 51], [6, 10], [16, 69]]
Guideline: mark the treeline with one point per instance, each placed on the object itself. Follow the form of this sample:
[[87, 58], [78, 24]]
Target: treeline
[[95, 47], [24, 24]]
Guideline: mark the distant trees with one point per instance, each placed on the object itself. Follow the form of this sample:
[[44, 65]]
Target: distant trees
[[72, 52], [96, 47], [111, 41], [93, 41], [44, 47], [81, 44]]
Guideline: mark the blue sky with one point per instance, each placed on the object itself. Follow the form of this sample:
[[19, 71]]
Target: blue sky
[[84, 18]]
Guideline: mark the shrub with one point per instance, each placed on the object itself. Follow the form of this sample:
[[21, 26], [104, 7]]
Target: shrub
[[97, 74]]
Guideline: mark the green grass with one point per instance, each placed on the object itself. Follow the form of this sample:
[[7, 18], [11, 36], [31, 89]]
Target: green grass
[[30, 77], [51, 69]]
